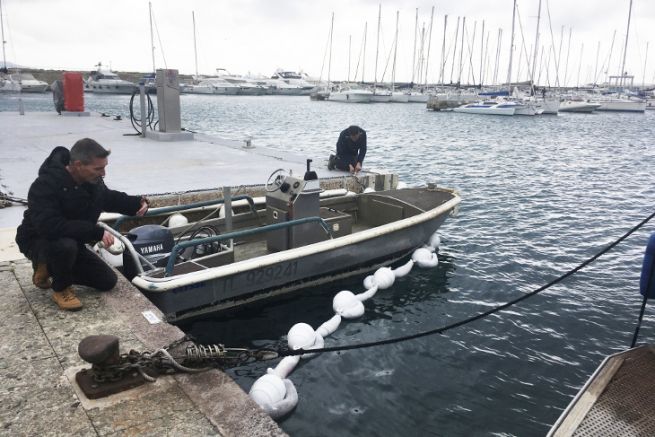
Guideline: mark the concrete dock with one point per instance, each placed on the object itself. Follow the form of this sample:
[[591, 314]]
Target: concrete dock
[[38, 352], [38, 361]]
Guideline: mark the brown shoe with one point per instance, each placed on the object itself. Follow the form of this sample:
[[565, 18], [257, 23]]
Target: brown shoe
[[41, 277], [66, 299]]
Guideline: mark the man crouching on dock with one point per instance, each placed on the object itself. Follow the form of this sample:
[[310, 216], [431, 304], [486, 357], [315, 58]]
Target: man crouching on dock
[[63, 206]]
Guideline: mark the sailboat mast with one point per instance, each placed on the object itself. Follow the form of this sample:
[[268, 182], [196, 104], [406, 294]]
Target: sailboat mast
[[461, 52], [350, 42], [511, 50], [536, 47], [427, 58], [452, 66], [625, 49], [395, 50], [195, 48], [330, 56], [580, 65], [414, 54], [364, 53], [568, 52], [2, 27], [443, 50], [481, 53], [500, 39], [152, 39], [377, 49], [643, 79]]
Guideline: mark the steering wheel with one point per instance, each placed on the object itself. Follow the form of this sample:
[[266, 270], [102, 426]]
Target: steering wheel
[[274, 180]]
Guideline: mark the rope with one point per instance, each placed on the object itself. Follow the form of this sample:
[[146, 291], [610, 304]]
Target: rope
[[440, 330]]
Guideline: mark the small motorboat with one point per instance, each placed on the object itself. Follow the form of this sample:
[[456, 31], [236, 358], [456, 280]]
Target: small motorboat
[[488, 107], [194, 259], [578, 106]]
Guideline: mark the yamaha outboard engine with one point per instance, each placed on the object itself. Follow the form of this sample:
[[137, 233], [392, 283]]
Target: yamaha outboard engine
[[153, 242]]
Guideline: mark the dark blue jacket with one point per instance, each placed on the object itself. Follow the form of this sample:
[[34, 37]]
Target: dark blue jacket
[[349, 151], [57, 207]]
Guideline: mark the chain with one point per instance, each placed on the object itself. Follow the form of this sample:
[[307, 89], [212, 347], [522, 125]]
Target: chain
[[197, 358]]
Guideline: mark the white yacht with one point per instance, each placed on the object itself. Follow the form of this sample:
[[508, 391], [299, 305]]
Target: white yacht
[[381, 95], [489, 107], [107, 82], [28, 83], [351, 94], [578, 105], [621, 104], [247, 86], [298, 83]]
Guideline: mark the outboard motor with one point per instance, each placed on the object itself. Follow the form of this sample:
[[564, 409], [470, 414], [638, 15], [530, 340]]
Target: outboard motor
[[153, 242]]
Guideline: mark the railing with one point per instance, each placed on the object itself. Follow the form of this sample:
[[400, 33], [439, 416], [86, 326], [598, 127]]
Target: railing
[[175, 208]]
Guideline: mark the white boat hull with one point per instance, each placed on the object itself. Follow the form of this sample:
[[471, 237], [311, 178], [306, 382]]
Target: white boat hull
[[484, 110], [580, 107], [350, 97], [399, 98], [622, 106]]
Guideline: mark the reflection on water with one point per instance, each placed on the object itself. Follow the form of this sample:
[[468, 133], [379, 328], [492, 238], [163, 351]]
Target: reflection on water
[[540, 195]]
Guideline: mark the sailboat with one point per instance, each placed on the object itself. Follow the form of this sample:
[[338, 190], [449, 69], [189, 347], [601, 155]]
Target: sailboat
[[323, 92], [621, 103], [7, 84], [352, 93]]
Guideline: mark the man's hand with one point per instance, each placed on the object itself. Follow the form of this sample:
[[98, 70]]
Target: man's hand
[[145, 203], [358, 167], [351, 168], [107, 239]]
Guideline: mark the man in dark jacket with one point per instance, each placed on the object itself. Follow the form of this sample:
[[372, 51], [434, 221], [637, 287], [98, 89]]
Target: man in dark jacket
[[63, 206], [351, 150]]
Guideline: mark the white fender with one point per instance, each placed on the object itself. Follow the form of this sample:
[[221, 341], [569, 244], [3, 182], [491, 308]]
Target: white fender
[[425, 257], [177, 220], [435, 241], [384, 277], [347, 305], [284, 407], [404, 269]]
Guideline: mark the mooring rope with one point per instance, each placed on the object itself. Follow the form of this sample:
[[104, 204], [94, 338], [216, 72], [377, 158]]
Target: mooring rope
[[440, 330]]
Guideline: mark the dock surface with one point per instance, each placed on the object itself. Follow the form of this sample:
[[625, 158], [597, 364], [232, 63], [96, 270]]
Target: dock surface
[[38, 361]]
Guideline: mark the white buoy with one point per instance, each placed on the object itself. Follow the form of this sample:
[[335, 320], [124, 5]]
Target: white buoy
[[425, 258], [301, 336], [347, 305], [435, 241], [384, 277], [177, 220], [369, 190], [268, 390]]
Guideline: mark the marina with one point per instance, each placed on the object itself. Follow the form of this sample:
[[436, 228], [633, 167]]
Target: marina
[[540, 194]]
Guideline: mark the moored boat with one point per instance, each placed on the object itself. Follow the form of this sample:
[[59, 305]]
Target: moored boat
[[295, 240], [488, 107]]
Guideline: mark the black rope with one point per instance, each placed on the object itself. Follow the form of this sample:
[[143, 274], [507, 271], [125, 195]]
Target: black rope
[[287, 352], [641, 317]]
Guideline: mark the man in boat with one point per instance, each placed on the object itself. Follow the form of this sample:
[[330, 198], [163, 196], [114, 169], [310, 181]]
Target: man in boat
[[63, 206], [351, 150]]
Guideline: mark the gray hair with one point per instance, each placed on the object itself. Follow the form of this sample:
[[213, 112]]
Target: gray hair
[[86, 150]]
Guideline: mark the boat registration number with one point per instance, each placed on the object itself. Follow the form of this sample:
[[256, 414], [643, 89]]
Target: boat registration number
[[272, 273]]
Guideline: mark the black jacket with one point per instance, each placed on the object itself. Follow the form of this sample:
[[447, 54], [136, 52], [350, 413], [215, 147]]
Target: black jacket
[[349, 151], [57, 207]]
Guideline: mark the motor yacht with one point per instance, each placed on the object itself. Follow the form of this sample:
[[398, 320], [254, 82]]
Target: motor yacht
[[107, 82], [28, 83]]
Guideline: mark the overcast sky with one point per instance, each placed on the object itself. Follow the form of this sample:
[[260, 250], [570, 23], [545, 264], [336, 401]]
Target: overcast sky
[[260, 36]]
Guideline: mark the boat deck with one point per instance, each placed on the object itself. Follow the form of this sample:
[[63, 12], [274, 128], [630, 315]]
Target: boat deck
[[617, 399]]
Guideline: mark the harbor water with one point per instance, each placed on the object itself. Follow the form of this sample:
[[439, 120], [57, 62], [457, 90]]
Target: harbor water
[[540, 195]]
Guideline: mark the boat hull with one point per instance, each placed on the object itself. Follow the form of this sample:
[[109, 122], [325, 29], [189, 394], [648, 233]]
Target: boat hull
[[275, 274], [485, 110]]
